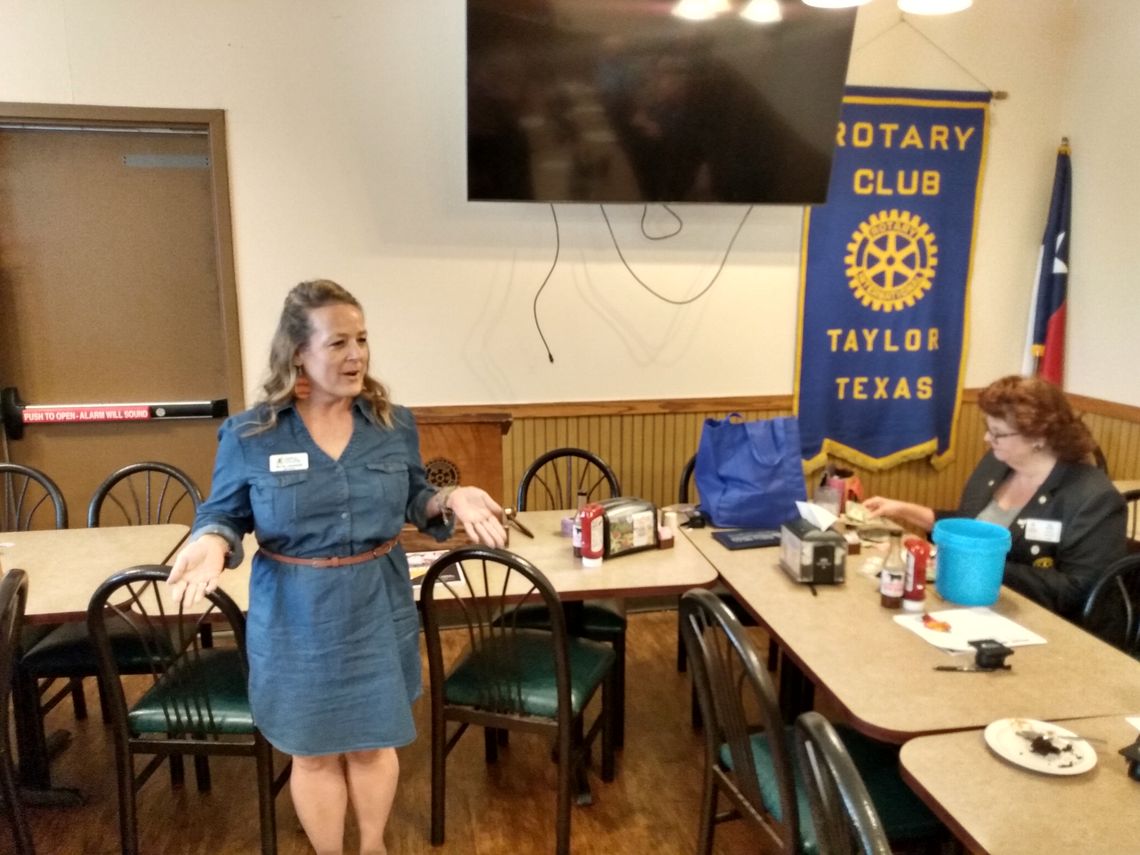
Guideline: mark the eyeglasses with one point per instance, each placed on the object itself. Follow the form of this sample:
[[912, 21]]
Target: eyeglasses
[[995, 435]]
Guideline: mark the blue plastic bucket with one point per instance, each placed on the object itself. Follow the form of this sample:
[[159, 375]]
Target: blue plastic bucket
[[971, 560]]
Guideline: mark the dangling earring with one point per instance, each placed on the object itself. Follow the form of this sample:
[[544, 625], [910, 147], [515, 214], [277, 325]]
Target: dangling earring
[[302, 388]]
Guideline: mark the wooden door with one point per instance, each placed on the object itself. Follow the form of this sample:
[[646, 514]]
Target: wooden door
[[116, 285]]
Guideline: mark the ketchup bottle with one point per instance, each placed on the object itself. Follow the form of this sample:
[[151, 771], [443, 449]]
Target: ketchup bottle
[[593, 534], [914, 582]]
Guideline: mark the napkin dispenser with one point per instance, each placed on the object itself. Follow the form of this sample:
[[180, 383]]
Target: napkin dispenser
[[630, 525], [812, 555]]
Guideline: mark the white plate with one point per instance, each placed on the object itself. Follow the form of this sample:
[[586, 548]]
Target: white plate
[[1074, 758]]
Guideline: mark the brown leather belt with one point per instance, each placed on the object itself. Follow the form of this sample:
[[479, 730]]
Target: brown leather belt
[[336, 561]]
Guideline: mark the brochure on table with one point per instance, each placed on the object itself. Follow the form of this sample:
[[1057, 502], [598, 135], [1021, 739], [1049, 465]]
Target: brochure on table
[[953, 629]]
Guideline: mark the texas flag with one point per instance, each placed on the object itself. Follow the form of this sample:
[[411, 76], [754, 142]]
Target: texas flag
[[1045, 344]]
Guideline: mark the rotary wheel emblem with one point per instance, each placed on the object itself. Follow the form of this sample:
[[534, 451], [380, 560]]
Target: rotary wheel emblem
[[441, 472], [890, 260]]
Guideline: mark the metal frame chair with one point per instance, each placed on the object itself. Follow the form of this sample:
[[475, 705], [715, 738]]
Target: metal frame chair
[[196, 702], [510, 676], [27, 494], [145, 493], [13, 599], [1112, 609], [1099, 459], [683, 490], [562, 473], [749, 755], [844, 816], [726, 670], [30, 500]]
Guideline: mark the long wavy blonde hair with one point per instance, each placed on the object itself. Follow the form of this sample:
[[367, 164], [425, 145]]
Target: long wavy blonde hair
[[293, 332]]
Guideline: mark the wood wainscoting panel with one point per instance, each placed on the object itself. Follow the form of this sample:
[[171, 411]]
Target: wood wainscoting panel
[[648, 442], [647, 450]]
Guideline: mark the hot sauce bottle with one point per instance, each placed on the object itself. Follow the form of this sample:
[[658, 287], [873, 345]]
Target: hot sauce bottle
[[914, 581]]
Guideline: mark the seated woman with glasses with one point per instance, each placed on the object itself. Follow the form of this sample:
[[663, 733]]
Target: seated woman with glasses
[[1066, 518]]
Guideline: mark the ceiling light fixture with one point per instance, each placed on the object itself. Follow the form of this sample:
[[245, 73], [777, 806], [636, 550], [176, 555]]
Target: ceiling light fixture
[[700, 10], [762, 12], [834, 4]]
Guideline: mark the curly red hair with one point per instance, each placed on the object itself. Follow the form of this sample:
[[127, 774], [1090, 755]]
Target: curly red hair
[[1037, 409]]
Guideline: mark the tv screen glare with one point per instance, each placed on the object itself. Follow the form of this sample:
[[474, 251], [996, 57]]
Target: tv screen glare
[[623, 101]]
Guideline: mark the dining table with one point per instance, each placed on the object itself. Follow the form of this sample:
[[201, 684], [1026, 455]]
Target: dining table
[[646, 573], [883, 676], [995, 805], [64, 568]]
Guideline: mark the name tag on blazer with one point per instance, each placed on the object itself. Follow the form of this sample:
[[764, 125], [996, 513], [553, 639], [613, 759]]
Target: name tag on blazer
[[1043, 531], [294, 462]]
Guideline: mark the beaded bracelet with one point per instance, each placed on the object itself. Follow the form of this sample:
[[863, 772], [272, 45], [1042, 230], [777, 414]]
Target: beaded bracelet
[[444, 511]]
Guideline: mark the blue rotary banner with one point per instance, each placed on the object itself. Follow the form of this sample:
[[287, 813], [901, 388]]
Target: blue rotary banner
[[885, 277]]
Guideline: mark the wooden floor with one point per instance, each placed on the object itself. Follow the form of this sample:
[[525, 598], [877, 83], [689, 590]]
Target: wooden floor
[[651, 807]]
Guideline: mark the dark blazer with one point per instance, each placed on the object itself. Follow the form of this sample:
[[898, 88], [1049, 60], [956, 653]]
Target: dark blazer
[[1058, 575]]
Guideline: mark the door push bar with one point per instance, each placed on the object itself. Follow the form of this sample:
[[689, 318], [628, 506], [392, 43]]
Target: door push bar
[[16, 414]]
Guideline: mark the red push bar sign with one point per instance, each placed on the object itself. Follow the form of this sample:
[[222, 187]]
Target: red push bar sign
[[15, 413], [85, 413]]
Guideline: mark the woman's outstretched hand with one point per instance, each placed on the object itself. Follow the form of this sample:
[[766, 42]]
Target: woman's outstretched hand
[[196, 569], [878, 506], [480, 515]]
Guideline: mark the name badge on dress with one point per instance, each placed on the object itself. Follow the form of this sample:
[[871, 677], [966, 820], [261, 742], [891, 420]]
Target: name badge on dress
[[294, 462], [1044, 531]]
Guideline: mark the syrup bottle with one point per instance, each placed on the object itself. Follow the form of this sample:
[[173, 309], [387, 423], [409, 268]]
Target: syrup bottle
[[576, 529], [893, 575]]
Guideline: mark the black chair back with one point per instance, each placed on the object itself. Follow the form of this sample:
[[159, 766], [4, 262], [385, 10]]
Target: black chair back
[[13, 599], [1099, 459], [511, 676], [842, 812], [29, 499], [685, 485], [1112, 610], [484, 583], [196, 701], [737, 699], [554, 480], [1132, 532], [143, 494]]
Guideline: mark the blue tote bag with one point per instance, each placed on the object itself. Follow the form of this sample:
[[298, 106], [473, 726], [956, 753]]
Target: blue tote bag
[[750, 474]]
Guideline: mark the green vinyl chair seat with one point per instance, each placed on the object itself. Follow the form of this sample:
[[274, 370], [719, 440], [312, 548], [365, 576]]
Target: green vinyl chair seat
[[193, 701], [517, 674], [902, 813], [206, 694], [33, 634], [67, 651], [598, 622], [512, 677]]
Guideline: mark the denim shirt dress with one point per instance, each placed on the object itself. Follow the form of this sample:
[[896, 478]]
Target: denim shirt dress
[[334, 662]]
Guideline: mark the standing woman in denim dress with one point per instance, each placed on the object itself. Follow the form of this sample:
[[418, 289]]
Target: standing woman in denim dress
[[326, 470]]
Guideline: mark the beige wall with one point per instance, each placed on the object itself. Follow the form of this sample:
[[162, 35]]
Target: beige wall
[[346, 134]]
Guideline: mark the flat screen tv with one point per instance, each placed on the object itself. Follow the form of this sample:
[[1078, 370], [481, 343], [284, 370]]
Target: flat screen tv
[[623, 101]]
